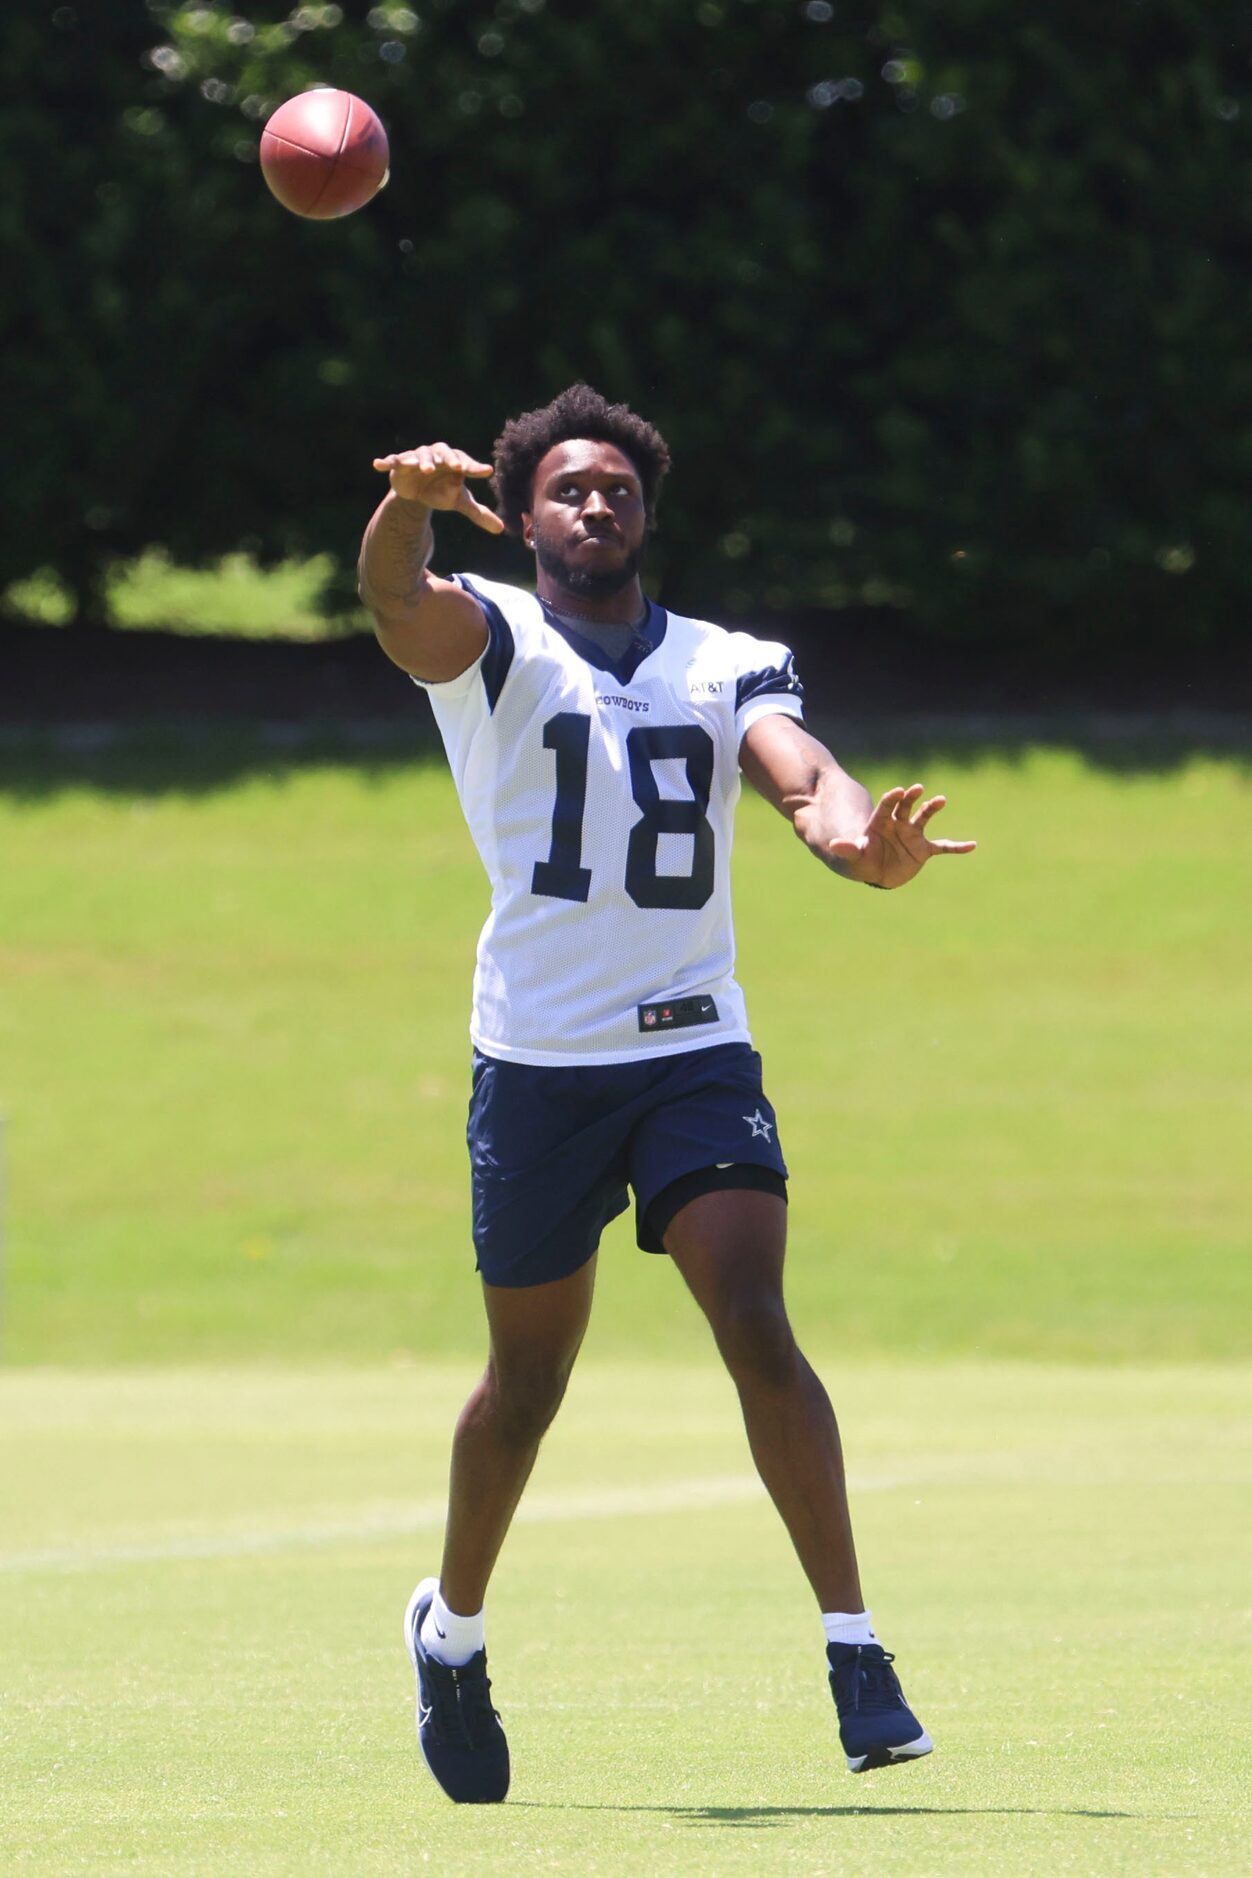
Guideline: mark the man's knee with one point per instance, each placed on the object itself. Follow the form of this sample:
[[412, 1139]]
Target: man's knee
[[755, 1338], [525, 1397]]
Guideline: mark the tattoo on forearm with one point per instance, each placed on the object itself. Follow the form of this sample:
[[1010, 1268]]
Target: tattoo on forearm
[[395, 554]]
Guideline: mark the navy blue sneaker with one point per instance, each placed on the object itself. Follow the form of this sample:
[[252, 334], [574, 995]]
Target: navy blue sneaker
[[458, 1731], [876, 1725]]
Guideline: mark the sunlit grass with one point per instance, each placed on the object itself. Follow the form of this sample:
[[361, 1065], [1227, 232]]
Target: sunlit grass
[[203, 1574], [231, 597], [233, 1056]]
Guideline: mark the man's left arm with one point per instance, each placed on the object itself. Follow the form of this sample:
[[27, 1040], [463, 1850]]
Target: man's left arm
[[880, 844]]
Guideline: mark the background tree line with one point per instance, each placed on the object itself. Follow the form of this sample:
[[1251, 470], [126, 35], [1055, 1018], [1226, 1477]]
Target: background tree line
[[942, 304]]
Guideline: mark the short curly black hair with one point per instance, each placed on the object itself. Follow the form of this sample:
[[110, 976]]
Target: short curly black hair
[[577, 412]]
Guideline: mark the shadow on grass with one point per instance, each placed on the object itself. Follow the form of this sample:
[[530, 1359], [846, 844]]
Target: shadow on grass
[[779, 1815], [204, 759], [195, 758]]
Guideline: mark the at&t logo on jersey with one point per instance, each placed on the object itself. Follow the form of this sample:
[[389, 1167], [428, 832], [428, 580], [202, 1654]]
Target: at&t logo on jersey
[[702, 685]]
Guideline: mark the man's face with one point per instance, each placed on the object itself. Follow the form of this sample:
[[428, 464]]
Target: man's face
[[587, 523]]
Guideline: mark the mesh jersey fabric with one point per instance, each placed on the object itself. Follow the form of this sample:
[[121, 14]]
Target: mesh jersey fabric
[[600, 794]]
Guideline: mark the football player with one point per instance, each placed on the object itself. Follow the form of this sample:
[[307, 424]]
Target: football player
[[596, 740]]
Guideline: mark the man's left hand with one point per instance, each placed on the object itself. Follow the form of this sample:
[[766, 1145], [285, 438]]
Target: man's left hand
[[894, 845]]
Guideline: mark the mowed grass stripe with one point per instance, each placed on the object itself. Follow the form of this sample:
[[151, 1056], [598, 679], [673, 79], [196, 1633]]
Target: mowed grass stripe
[[678, 1496], [373, 1523]]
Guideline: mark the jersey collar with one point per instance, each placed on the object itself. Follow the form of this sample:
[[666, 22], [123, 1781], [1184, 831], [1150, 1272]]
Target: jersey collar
[[645, 642]]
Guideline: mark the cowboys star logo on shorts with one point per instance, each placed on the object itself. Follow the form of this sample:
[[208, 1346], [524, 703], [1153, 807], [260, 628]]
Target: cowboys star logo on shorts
[[760, 1125]]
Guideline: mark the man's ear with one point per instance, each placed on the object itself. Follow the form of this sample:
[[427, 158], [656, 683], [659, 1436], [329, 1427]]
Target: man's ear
[[528, 528]]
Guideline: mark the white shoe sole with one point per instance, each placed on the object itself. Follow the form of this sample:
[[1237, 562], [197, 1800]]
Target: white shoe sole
[[427, 1588], [909, 1751]]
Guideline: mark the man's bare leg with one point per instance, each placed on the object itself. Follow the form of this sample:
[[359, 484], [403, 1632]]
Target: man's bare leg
[[535, 1336], [729, 1247]]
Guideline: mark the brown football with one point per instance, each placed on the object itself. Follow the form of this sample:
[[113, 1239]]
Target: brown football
[[324, 154]]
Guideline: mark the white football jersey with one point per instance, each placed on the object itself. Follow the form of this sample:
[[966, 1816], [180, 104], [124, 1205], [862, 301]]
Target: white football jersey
[[600, 793]]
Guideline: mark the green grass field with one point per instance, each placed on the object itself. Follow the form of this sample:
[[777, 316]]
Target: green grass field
[[233, 1057], [241, 1314], [204, 1573]]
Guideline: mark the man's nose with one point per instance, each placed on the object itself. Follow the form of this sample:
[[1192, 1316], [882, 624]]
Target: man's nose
[[596, 504]]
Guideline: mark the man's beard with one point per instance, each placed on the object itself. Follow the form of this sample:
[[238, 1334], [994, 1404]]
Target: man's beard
[[588, 583]]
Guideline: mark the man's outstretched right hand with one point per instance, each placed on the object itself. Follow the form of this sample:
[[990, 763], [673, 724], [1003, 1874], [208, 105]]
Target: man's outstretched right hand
[[435, 475]]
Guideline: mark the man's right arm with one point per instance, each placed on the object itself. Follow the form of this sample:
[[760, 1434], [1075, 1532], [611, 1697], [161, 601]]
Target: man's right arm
[[427, 626]]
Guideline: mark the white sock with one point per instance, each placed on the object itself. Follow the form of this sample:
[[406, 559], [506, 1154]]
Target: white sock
[[449, 1637], [840, 1627]]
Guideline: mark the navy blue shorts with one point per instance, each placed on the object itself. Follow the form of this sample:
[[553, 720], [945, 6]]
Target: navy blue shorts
[[552, 1151]]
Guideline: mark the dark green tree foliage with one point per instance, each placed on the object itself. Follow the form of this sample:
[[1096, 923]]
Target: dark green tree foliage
[[942, 304]]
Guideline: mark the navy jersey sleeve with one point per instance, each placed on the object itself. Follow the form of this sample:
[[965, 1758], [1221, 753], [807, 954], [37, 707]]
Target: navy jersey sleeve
[[491, 667], [766, 682]]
